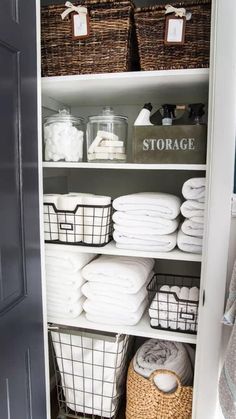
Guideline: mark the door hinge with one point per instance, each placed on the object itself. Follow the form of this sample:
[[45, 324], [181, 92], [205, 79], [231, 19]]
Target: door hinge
[[203, 297]]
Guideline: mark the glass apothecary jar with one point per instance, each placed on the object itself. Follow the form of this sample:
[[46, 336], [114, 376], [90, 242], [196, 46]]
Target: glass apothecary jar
[[63, 137], [107, 137]]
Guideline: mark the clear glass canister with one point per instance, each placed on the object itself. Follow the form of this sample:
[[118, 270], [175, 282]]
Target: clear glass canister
[[63, 137], [107, 137]]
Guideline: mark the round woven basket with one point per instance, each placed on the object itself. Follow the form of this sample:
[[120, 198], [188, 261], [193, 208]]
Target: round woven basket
[[146, 401]]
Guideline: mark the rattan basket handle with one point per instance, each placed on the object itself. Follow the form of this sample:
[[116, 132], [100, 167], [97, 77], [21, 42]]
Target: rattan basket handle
[[167, 372]]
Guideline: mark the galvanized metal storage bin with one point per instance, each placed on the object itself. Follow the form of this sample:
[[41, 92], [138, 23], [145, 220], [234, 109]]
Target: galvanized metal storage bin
[[180, 144]]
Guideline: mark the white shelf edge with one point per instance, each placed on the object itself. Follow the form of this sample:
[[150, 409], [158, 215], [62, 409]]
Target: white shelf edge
[[123, 166], [127, 75], [142, 329], [111, 249]]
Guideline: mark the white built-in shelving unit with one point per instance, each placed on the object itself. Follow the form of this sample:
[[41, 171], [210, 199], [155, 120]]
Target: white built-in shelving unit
[[84, 95]]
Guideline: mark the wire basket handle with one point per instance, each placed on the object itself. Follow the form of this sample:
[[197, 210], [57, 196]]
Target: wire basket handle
[[166, 372]]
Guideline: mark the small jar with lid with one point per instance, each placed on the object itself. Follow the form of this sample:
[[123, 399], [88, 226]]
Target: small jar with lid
[[63, 137], [107, 137]]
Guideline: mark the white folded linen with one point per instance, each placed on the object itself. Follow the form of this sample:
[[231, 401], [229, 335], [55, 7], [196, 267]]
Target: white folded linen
[[149, 203], [91, 372], [189, 243], [195, 188], [67, 311], [61, 262], [122, 300], [157, 354], [96, 219], [51, 231], [130, 273], [191, 228], [65, 296], [108, 315], [192, 208], [64, 282], [196, 219], [70, 224], [154, 243], [145, 223], [143, 231]]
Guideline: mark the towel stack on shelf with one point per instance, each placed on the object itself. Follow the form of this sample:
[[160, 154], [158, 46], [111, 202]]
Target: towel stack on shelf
[[146, 221], [191, 232], [115, 290], [64, 282], [175, 308]]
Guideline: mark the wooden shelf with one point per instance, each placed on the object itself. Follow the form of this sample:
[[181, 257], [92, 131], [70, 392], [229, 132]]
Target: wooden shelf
[[142, 329], [123, 166], [111, 249], [181, 86]]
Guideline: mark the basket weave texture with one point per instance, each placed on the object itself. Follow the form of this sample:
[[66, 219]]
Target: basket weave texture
[[106, 49], [155, 55], [145, 401]]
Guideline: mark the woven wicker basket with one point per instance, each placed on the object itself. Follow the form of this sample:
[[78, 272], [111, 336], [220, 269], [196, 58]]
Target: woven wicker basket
[[106, 49], [150, 27], [145, 401]]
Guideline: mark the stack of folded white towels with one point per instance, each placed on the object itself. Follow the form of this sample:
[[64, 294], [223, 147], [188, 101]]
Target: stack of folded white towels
[[191, 232], [115, 290], [175, 308], [64, 282], [89, 224], [146, 221]]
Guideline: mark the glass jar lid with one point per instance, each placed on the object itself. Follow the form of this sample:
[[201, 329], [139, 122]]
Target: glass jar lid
[[108, 115], [63, 116]]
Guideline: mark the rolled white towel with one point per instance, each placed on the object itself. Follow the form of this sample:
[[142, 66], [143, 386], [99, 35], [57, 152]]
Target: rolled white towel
[[157, 243], [130, 273], [96, 221], [145, 223], [195, 188], [62, 262], [149, 203], [191, 228], [189, 243], [194, 294], [164, 307], [157, 354], [191, 208]]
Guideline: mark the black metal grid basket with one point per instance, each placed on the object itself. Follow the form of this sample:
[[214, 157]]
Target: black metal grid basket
[[90, 370], [166, 310], [87, 225]]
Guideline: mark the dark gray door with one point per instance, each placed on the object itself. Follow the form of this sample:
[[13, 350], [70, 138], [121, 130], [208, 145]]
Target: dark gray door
[[22, 384]]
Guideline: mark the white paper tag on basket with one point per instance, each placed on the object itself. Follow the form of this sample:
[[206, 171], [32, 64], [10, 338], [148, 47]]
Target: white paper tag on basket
[[175, 30], [80, 25]]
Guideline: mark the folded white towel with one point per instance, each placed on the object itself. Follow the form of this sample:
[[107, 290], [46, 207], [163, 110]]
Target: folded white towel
[[195, 188], [64, 282], [61, 262], [107, 315], [157, 354], [164, 307], [105, 295], [130, 273], [191, 228], [192, 208], [67, 311], [100, 383], [143, 231], [155, 243], [145, 223], [149, 203], [96, 219], [189, 243], [63, 297]]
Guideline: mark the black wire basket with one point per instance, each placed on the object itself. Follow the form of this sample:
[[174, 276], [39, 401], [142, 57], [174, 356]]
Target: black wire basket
[[87, 225], [166, 310], [90, 370]]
